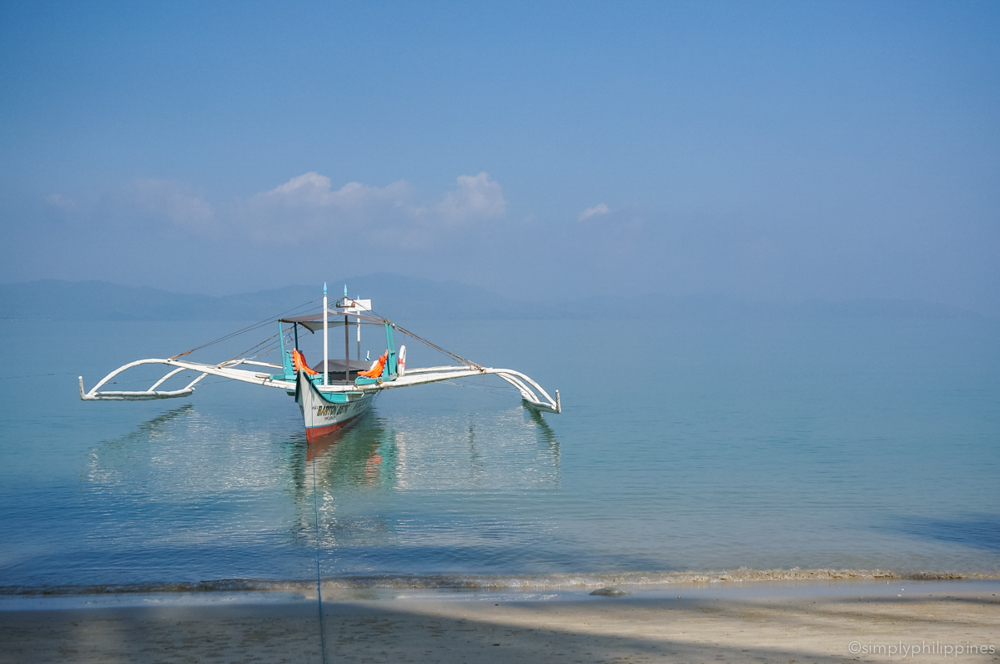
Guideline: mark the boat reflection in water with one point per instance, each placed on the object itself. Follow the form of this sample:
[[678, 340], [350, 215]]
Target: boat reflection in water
[[352, 456], [205, 493], [373, 452], [110, 462], [341, 483], [544, 432], [421, 492]]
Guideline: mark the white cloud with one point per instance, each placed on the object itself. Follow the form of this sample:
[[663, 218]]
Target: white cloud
[[308, 209], [475, 198], [305, 211], [307, 206], [590, 212], [314, 191]]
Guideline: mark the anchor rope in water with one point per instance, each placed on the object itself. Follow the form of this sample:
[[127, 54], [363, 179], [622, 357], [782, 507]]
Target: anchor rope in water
[[319, 579]]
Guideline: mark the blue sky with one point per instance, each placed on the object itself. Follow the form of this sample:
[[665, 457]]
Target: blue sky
[[767, 151]]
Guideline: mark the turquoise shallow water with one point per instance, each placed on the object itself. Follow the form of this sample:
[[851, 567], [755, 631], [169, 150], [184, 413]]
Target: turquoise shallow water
[[683, 446]]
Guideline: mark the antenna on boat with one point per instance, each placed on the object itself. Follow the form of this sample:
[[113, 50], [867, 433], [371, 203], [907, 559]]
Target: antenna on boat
[[326, 345]]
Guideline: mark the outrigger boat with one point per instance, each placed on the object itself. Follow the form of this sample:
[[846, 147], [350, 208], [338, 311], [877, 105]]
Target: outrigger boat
[[333, 392]]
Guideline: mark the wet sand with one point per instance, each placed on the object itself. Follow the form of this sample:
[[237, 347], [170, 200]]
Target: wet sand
[[788, 629]]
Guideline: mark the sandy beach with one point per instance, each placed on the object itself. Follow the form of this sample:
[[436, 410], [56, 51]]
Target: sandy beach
[[751, 628]]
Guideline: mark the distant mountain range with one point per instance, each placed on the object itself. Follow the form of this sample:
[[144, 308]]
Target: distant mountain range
[[406, 298], [394, 297]]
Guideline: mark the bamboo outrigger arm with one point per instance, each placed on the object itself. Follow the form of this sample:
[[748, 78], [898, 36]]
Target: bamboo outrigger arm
[[531, 392], [224, 370]]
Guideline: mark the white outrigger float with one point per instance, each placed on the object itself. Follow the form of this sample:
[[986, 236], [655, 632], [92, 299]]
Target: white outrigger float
[[333, 392]]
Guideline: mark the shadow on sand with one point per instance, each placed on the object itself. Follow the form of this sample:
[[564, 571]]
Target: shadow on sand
[[775, 630]]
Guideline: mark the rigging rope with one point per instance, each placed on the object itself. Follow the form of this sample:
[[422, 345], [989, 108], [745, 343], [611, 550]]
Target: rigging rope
[[248, 350], [252, 326], [468, 363], [61, 373], [265, 350], [495, 389], [416, 337]]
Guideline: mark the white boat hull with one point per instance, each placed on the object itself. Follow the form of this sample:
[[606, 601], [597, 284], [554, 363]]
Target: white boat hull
[[324, 415]]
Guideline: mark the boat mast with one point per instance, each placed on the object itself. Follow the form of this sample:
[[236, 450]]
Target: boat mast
[[347, 342], [326, 346]]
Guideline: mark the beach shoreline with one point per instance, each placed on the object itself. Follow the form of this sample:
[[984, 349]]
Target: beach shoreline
[[754, 622], [519, 584]]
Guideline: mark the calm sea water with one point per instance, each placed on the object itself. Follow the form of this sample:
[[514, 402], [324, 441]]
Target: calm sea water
[[685, 446]]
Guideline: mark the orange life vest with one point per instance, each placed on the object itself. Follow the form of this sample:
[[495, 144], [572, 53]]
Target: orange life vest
[[299, 362], [376, 370]]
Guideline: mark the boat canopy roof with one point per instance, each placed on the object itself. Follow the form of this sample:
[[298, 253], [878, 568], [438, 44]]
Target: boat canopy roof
[[314, 322]]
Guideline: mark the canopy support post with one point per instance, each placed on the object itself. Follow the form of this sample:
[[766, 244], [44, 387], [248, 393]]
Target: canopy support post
[[287, 368], [390, 344], [347, 340]]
